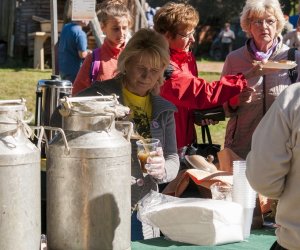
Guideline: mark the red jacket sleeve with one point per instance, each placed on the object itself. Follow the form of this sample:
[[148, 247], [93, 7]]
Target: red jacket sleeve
[[188, 91], [83, 80]]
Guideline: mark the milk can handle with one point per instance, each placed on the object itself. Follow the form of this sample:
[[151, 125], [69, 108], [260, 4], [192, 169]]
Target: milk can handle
[[21, 101], [130, 128], [67, 149], [41, 135], [88, 98]]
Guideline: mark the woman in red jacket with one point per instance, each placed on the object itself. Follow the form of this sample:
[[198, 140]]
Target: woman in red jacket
[[183, 87]]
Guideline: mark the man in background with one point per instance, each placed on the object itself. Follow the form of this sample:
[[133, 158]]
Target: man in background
[[227, 36], [72, 49]]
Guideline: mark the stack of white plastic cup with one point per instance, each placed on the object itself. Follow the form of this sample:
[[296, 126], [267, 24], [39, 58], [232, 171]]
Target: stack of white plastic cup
[[243, 194]]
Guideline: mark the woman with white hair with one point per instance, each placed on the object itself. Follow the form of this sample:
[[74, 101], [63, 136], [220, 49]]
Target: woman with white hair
[[263, 22]]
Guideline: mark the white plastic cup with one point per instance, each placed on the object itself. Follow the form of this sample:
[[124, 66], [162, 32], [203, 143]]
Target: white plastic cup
[[221, 191], [242, 192], [248, 217], [239, 167]]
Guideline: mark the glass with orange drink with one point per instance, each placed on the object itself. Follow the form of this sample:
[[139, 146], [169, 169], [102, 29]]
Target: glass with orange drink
[[146, 148]]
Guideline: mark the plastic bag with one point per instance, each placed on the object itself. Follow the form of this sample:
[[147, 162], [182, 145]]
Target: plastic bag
[[150, 202]]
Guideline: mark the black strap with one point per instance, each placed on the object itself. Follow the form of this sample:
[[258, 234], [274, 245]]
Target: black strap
[[264, 95], [291, 54], [206, 133], [293, 73]]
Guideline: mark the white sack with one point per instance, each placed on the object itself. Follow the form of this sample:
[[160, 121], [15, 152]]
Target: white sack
[[199, 221]]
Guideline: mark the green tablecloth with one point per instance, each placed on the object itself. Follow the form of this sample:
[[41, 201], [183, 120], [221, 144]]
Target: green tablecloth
[[258, 240]]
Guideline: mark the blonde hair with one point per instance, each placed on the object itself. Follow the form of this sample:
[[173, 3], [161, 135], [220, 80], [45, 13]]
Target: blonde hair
[[256, 8], [146, 43], [110, 9], [174, 16]]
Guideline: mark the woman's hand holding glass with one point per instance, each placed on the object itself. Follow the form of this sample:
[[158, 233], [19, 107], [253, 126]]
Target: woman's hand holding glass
[[155, 165], [150, 155]]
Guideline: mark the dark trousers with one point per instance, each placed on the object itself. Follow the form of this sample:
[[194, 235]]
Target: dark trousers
[[226, 48], [276, 246], [136, 228]]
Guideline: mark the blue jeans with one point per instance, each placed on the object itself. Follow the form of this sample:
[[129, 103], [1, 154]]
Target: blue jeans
[[136, 228]]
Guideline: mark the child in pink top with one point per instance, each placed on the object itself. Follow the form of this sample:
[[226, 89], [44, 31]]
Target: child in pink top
[[115, 21]]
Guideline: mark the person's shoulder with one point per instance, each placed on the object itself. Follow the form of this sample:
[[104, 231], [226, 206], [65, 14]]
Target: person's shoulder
[[294, 89], [110, 86], [66, 28], [289, 97], [70, 24], [238, 52], [76, 28], [106, 87], [161, 102]]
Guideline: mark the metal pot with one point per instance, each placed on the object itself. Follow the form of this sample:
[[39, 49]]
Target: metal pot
[[20, 205], [89, 179], [48, 93]]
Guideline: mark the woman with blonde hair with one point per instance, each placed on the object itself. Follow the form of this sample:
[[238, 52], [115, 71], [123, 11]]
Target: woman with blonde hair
[[141, 67]]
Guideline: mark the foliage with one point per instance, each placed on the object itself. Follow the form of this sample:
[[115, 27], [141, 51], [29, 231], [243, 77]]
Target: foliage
[[217, 12]]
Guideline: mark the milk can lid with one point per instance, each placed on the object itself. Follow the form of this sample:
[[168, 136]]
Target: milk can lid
[[13, 105], [96, 105], [54, 82]]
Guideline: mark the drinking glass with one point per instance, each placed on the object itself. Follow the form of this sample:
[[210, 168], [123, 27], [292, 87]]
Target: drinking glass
[[221, 191], [146, 148]]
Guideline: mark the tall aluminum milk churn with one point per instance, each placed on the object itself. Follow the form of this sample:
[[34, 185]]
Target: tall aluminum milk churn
[[20, 204], [89, 177]]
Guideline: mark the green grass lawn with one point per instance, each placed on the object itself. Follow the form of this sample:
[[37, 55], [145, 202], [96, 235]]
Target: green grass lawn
[[217, 131], [20, 82]]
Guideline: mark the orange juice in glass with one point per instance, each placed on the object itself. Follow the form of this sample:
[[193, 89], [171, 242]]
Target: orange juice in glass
[[145, 148]]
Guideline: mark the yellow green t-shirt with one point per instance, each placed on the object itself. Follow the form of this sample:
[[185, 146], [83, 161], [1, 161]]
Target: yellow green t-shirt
[[140, 112]]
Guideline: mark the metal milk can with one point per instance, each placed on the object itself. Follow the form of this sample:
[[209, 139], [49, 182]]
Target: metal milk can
[[89, 177], [20, 204]]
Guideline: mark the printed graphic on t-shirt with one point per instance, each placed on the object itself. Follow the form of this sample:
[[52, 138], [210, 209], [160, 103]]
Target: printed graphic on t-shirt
[[141, 122]]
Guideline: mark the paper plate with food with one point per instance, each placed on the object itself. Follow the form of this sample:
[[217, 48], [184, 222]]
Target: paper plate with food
[[282, 64]]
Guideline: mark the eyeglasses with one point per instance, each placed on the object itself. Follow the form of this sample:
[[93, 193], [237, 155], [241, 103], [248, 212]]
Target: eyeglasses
[[260, 22], [188, 35]]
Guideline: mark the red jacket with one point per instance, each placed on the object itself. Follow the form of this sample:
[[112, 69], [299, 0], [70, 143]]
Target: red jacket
[[188, 92]]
